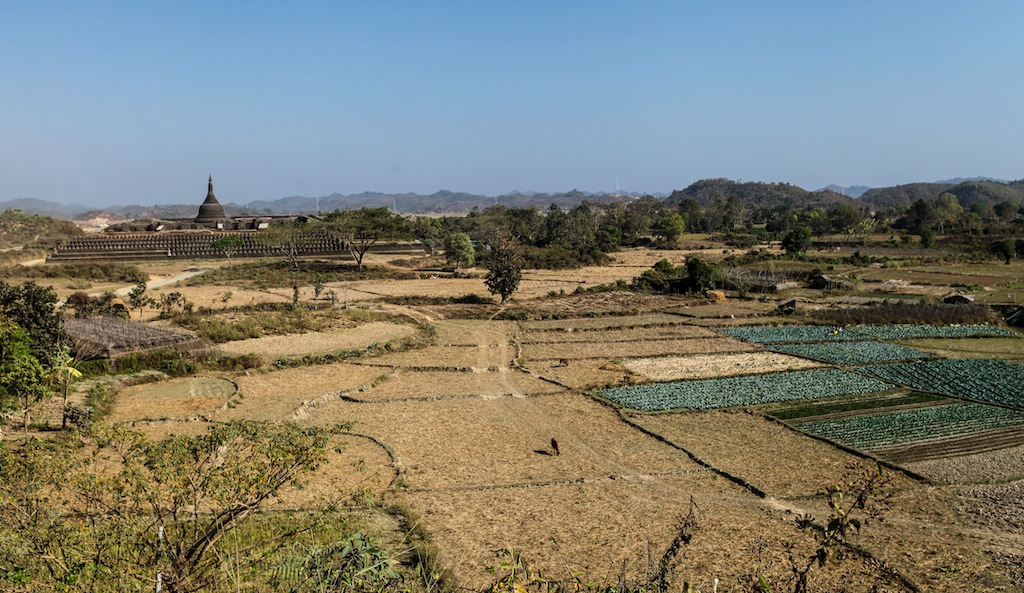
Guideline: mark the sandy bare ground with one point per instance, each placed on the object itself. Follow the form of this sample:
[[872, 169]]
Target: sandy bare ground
[[610, 351], [359, 337], [706, 366]]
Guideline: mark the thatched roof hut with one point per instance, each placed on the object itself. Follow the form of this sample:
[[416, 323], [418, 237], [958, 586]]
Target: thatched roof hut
[[111, 337]]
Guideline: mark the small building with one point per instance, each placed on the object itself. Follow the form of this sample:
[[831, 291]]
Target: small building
[[958, 299], [823, 282]]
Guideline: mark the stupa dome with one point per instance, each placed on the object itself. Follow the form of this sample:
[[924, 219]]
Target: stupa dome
[[210, 212]]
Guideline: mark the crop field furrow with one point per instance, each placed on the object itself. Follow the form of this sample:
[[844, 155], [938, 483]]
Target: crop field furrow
[[979, 442], [847, 353], [979, 379], [853, 404], [751, 390], [800, 333], [828, 334], [889, 429]]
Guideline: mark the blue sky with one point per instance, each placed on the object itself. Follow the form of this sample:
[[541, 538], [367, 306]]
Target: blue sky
[[137, 102]]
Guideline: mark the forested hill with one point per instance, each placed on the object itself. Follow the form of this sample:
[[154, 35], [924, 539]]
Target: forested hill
[[968, 193], [755, 194]]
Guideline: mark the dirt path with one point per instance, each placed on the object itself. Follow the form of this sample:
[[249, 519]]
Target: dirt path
[[161, 283]]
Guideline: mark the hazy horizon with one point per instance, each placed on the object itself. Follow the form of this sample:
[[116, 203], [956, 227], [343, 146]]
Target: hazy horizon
[[116, 103]]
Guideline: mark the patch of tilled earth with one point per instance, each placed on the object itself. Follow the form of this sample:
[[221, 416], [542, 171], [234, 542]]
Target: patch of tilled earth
[[1002, 465], [1014, 566], [998, 506]]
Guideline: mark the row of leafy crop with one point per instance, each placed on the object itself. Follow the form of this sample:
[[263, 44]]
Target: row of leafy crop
[[852, 352], [752, 390], [981, 379], [877, 402], [825, 333], [871, 431]]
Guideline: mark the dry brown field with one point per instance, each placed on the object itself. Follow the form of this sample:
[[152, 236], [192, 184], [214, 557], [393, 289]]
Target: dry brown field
[[613, 350], [706, 366], [359, 337], [459, 434], [566, 335]]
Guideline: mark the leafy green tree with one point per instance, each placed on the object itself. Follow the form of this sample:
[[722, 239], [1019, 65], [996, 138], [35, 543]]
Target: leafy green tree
[[288, 239], [669, 228], [797, 240], [33, 308], [360, 229], [458, 249], [701, 275], [228, 245], [504, 273], [1005, 249], [138, 299], [22, 376]]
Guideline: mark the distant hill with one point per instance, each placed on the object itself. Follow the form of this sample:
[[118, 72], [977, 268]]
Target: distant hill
[[967, 193], [756, 194], [21, 228], [705, 191], [442, 201], [44, 207], [854, 191]]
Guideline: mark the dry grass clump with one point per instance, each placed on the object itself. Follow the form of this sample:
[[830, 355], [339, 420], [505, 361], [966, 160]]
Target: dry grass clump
[[705, 366]]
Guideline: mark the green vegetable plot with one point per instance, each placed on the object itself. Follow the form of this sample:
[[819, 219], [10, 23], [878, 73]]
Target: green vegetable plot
[[825, 333], [982, 379], [900, 332], [852, 352], [750, 390], [800, 333], [872, 431]]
